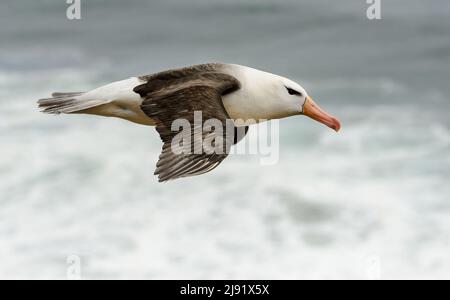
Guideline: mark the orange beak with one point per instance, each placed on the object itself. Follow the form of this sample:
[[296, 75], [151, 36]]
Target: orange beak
[[312, 110]]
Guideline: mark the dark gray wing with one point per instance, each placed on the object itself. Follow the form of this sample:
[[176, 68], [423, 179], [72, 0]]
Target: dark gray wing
[[197, 150]]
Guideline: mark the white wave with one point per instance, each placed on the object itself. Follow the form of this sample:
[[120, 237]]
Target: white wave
[[358, 204]]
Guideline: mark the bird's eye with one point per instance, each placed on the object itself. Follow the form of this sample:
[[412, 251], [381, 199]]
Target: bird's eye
[[293, 92]]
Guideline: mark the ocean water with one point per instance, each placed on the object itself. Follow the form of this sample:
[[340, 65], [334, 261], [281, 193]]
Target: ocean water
[[370, 202]]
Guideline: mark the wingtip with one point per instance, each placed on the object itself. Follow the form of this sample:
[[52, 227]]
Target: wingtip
[[163, 180]]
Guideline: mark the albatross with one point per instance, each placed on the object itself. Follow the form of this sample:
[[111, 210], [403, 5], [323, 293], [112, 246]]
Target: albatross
[[224, 92]]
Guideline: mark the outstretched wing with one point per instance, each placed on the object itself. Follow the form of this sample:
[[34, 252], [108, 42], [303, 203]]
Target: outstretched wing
[[192, 103]]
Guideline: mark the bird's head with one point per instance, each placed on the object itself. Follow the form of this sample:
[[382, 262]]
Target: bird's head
[[273, 97], [296, 99]]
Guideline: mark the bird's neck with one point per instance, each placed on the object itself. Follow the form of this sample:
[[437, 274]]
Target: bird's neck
[[257, 98]]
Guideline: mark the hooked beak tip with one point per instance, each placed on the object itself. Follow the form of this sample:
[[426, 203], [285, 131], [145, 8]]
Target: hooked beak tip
[[312, 110], [336, 125]]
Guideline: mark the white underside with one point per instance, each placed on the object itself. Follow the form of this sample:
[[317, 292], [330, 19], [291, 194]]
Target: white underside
[[118, 100]]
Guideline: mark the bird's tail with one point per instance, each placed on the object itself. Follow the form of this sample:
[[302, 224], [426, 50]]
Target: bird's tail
[[65, 103]]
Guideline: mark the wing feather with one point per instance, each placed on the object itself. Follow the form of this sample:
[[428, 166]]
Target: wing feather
[[169, 96]]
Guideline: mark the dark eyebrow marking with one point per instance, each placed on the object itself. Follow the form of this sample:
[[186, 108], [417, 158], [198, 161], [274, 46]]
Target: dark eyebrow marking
[[293, 92]]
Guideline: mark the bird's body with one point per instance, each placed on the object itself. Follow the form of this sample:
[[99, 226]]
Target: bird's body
[[219, 91]]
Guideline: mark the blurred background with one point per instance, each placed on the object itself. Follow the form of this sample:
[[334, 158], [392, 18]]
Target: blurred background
[[370, 202]]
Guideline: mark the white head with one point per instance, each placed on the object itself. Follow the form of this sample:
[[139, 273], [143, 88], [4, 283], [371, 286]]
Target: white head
[[275, 97]]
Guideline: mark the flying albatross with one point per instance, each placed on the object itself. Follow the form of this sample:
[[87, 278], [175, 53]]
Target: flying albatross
[[221, 92]]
